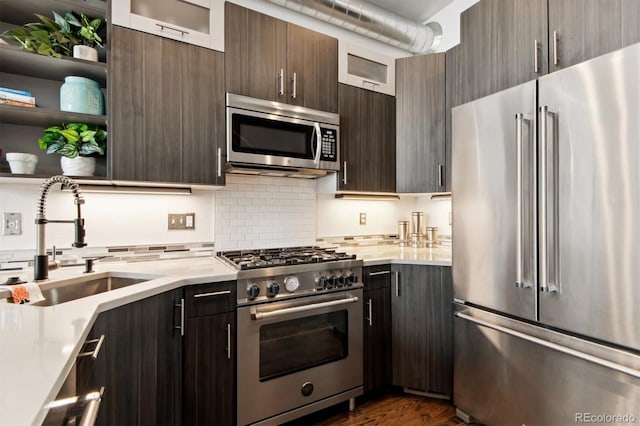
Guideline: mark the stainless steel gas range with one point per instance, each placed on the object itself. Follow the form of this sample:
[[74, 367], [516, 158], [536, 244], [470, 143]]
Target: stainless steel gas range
[[299, 331]]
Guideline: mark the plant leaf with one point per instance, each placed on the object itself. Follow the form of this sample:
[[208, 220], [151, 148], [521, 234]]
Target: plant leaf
[[70, 134]]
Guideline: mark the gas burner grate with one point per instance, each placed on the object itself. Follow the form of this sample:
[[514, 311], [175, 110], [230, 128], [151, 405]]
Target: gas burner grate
[[266, 258]]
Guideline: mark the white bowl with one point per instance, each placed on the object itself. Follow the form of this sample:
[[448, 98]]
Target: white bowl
[[22, 163]]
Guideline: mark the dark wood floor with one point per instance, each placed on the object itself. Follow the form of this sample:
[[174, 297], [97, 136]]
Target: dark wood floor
[[388, 409]]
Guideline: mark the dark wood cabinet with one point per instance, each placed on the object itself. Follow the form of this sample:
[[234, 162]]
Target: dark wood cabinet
[[140, 362], [367, 139], [209, 361], [377, 327], [267, 58], [421, 298], [421, 162], [166, 110], [583, 30]]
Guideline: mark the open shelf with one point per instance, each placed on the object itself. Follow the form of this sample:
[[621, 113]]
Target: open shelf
[[45, 117], [21, 11], [14, 60]]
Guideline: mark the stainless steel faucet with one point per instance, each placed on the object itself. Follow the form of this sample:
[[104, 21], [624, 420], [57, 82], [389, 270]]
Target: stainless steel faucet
[[41, 260]]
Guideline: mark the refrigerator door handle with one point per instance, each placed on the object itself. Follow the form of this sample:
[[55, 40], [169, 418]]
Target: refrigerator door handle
[[551, 345], [543, 260], [521, 118]]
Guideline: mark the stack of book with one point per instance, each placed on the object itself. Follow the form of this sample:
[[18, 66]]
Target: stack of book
[[16, 98]]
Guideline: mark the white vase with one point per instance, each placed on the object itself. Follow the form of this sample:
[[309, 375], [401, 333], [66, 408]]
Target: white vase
[[22, 163], [79, 166], [85, 52]]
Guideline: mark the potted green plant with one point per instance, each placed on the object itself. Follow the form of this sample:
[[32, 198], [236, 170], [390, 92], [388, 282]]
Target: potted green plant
[[77, 144], [87, 32], [48, 37]]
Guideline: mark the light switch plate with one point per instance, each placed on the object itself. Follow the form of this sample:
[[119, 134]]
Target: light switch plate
[[363, 218], [12, 223], [181, 221]]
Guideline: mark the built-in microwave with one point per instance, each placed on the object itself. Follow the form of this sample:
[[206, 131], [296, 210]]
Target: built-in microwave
[[280, 137]]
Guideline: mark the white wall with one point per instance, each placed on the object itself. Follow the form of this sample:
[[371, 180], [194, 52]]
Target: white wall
[[261, 212], [339, 217], [449, 19], [110, 219]]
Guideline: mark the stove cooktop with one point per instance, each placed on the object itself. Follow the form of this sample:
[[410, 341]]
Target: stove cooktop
[[266, 258]]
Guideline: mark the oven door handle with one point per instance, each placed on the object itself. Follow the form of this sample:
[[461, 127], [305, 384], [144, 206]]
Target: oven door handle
[[256, 315]]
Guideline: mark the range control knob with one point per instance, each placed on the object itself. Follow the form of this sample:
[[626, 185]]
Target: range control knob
[[291, 283], [273, 289], [353, 278], [321, 283], [253, 291], [342, 280], [333, 282]]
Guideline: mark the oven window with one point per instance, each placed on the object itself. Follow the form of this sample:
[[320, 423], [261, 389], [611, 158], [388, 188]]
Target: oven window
[[295, 345], [257, 135]]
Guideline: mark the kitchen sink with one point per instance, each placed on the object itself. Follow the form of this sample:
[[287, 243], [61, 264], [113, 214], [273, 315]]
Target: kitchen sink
[[63, 291]]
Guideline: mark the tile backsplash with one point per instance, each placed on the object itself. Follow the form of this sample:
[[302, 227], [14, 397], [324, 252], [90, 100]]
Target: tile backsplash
[[261, 212]]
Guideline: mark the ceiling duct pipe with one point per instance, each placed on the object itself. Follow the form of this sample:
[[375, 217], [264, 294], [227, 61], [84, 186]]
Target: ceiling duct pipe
[[371, 21]]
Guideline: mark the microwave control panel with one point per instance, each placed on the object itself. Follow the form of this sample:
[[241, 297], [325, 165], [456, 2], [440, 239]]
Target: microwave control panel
[[329, 147]]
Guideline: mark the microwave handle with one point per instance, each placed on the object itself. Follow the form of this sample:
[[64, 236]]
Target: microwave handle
[[318, 141]]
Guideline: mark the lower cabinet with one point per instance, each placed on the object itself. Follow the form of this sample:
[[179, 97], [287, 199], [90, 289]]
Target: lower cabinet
[[421, 318], [209, 356], [140, 362], [377, 327]]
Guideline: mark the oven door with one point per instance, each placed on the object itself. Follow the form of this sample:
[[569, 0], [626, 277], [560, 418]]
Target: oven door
[[270, 140], [297, 352]]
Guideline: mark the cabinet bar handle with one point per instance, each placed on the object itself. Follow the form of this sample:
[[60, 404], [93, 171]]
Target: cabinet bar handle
[[181, 326], [370, 318], [228, 341], [295, 84], [440, 175], [215, 293], [281, 78], [536, 65], [555, 48], [373, 274], [94, 353], [162, 28], [344, 175], [219, 162], [397, 274], [372, 83]]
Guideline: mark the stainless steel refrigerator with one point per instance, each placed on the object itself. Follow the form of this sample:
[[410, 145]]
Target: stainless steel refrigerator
[[546, 253]]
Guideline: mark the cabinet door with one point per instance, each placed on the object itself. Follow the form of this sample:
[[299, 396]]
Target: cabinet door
[[589, 28], [421, 328], [367, 140], [255, 53], [312, 69], [140, 363], [203, 144], [377, 328], [209, 371], [420, 130]]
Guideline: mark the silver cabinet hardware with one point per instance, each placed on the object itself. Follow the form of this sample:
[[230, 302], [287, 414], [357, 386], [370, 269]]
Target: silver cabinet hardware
[[281, 79], [215, 293], [440, 175], [163, 27], [91, 402], [536, 52], [344, 174], [219, 162], [373, 274], [397, 279], [369, 303], [181, 326], [228, 341], [96, 350], [555, 48], [295, 83]]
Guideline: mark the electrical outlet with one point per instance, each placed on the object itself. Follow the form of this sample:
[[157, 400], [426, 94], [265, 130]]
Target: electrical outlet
[[181, 221], [12, 224], [363, 218]]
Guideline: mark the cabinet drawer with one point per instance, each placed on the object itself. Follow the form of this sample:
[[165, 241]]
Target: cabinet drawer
[[208, 299], [375, 277]]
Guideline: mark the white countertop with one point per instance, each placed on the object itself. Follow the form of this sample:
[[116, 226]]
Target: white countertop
[[39, 344]]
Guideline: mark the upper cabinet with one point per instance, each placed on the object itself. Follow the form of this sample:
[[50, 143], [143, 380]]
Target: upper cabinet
[[421, 162], [367, 140], [581, 30], [167, 114], [364, 68], [198, 22], [270, 59], [505, 43]]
